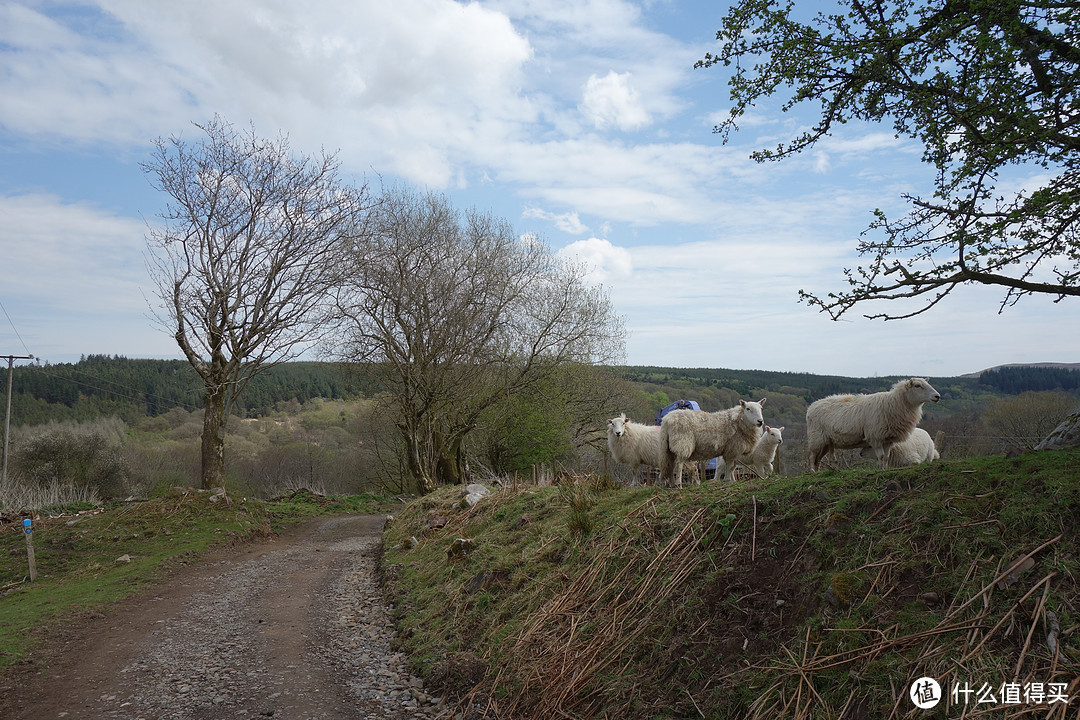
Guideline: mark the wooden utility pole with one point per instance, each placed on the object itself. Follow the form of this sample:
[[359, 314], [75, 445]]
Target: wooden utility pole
[[7, 415]]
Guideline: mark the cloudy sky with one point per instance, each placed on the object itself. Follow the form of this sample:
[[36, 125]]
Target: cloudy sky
[[583, 121]]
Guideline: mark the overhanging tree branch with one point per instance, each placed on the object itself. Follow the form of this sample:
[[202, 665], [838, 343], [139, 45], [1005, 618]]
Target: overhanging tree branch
[[983, 85]]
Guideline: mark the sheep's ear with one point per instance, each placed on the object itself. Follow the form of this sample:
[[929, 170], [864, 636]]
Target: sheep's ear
[[762, 401], [742, 403], [780, 429]]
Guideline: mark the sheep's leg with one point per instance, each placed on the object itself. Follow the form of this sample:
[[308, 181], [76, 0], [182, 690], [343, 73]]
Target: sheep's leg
[[668, 461], [882, 454], [678, 472], [817, 455]]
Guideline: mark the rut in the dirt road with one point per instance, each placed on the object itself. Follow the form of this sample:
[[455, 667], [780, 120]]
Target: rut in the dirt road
[[295, 629]]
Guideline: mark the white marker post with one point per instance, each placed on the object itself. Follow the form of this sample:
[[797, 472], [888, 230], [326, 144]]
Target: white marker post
[[28, 526]]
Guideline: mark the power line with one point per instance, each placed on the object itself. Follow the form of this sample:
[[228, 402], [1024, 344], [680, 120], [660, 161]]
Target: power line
[[138, 397], [15, 329]]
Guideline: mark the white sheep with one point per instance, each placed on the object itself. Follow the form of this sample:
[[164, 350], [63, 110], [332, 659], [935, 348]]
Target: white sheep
[[876, 421], [634, 444], [760, 460], [693, 435], [919, 447]]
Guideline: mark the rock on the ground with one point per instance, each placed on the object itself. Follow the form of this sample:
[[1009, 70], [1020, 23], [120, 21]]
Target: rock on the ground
[[1065, 436]]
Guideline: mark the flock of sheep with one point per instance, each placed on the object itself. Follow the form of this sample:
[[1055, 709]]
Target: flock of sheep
[[884, 424]]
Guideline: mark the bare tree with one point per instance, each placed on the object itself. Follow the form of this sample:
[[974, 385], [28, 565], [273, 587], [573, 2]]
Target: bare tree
[[244, 258], [456, 312]]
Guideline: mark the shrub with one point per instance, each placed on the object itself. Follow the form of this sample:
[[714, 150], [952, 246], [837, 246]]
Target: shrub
[[85, 455]]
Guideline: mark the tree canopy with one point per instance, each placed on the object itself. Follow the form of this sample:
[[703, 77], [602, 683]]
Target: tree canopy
[[988, 87]]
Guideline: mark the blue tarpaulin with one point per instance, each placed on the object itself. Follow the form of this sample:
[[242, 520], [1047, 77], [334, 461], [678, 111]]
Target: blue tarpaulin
[[677, 405]]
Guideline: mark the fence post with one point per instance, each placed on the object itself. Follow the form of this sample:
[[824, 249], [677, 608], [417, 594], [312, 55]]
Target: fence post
[[28, 526]]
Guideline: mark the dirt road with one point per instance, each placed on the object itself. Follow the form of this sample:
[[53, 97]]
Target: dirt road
[[294, 627]]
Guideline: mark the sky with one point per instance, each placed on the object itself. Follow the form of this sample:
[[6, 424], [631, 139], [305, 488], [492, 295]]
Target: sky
[[581, 121]]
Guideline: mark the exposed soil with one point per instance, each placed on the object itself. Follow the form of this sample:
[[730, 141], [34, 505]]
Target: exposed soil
[[292, 627]]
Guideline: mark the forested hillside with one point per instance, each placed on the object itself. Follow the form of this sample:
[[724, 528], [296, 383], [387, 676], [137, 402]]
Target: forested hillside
[[1018, 379], [99, 385]]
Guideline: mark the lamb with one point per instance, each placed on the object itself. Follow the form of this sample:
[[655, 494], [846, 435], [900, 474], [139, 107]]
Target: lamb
[[693, 435], [919, 447], [634, 444], [760, 460], [876, 421]]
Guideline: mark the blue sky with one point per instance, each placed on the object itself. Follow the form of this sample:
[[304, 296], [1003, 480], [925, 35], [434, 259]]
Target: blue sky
[[583, 121]]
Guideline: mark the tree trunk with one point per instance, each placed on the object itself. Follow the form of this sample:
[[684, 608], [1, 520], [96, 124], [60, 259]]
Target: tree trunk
[[450, 466], [415, 460], [213, 439]]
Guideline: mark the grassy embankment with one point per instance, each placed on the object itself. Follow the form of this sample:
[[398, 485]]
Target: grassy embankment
[[77, 549], [819, 596]]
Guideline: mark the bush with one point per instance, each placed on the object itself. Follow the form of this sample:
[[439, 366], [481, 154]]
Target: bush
[[84, 455], [1021, 422]]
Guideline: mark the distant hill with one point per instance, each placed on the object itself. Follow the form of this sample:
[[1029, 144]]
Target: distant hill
[[1058, 366]]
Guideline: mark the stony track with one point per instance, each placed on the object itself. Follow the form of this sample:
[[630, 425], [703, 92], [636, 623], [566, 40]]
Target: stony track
[[293, 628]]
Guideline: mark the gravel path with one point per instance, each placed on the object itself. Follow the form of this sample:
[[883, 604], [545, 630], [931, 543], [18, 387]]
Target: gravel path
[[294, 628]]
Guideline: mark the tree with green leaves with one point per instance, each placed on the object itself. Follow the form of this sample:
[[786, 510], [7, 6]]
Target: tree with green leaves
[[986, 86], [245, 258]]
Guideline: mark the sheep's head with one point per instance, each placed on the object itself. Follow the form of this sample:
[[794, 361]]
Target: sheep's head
[[775, 434], [617, 425], [751, 412], [920, 390]]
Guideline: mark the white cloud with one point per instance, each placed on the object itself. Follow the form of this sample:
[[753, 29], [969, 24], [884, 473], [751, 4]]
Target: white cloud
[[604, 260], [90, 257], [612, 101], [859, 143], [404, 87], [568, 222], [73, 277], [821, 161]]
